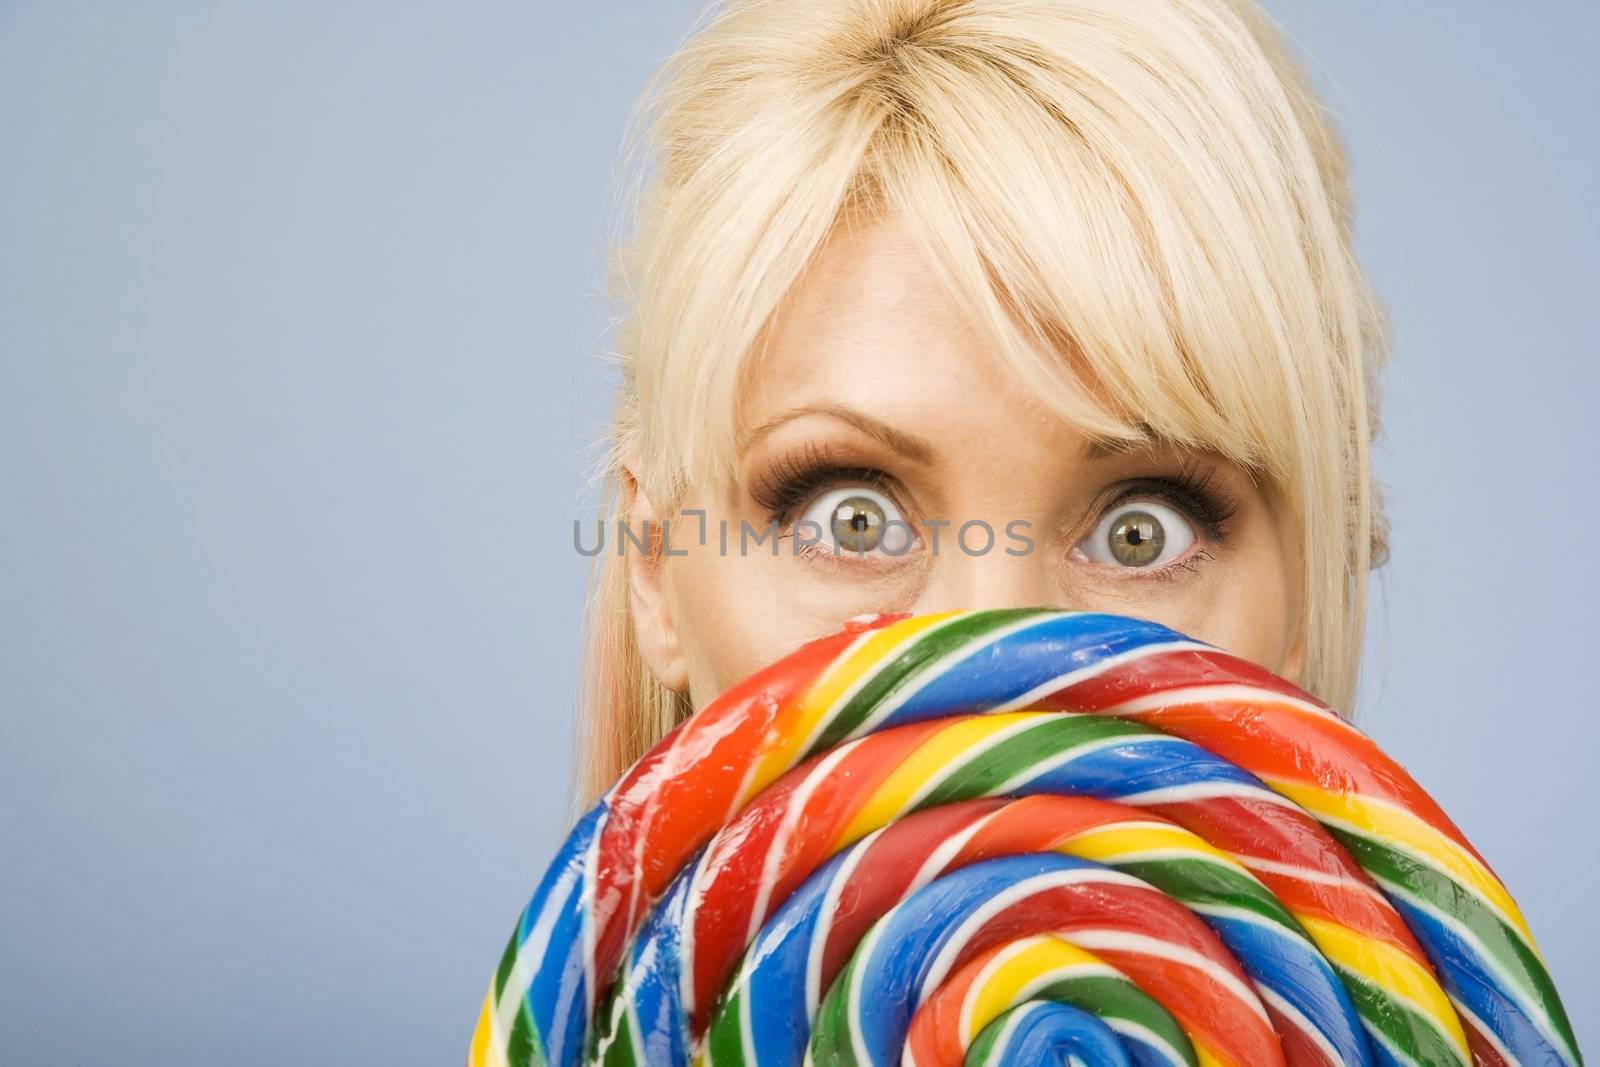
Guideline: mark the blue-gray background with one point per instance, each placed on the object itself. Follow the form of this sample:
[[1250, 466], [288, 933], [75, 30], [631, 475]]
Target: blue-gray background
[[298, 303]]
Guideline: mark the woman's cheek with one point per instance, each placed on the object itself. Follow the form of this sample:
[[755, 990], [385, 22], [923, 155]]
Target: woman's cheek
[[734, 617]]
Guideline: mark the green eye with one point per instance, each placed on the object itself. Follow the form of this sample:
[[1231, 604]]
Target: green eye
[[856, 521], [1139, 534], [857, 524], [1136, 539]]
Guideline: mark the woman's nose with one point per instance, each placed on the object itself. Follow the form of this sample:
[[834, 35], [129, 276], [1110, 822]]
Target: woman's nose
[[978, 571]]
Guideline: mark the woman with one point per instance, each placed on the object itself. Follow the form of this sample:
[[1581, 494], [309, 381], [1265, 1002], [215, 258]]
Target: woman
[[941, 304]]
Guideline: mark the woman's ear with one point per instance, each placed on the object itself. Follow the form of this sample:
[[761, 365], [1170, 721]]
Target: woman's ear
[[655, 628]]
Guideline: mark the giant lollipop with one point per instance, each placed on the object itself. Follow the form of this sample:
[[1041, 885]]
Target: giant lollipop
[[1016, 836]]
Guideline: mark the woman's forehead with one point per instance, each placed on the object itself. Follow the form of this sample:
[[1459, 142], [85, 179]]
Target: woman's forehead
[[872, 326]]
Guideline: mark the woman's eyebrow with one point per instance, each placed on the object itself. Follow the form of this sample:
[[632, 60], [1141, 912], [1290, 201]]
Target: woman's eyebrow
[[1105, 448], [1147, 440], [914, 448]]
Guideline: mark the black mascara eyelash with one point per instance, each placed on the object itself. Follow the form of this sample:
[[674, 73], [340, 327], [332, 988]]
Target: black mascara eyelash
[[1190, 491], [1191, 566], [798, 476]]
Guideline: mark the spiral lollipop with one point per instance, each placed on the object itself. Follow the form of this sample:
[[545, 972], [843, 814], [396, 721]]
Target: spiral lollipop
[[1018, 836]]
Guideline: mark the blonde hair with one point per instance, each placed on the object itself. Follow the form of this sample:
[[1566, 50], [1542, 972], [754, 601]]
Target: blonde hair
[[1142, 202]]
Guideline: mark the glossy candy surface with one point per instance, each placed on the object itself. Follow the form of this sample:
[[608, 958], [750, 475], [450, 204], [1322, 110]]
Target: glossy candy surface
[[1018, 836]]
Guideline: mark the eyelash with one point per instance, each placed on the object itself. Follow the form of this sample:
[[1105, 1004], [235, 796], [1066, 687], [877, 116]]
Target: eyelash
[[1190, 491], [798, 476]]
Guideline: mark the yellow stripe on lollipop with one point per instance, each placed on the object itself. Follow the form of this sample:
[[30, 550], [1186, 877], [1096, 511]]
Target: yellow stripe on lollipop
[[941, 753], [1019, 972], [1032, 963], [1388, 823], [488, 1048], [1391, 969], [1131, 842], [825, 694], [1376, 960]]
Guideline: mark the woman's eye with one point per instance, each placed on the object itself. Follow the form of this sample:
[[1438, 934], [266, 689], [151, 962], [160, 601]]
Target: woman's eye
[[1140, 533], [855, 520]]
